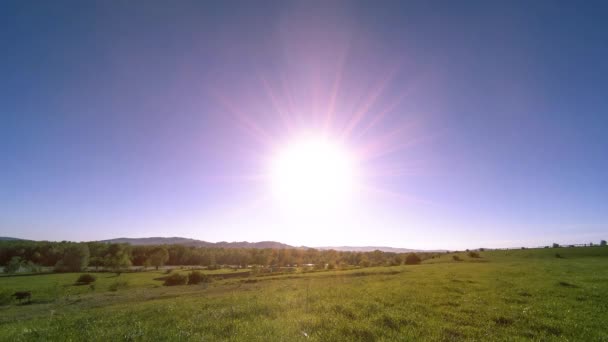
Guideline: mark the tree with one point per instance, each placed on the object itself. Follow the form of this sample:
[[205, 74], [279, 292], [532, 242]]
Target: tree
[[603, 243], [395, 261], [14, 265], [412, 259], [158, 257], [117, 257], [555, 245], [75, 258], [117, 262]]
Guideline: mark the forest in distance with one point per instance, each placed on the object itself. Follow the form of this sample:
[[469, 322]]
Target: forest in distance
[[33, 256], [79, 256]]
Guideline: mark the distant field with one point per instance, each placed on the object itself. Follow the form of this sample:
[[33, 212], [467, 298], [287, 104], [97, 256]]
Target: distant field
[[504, 295]]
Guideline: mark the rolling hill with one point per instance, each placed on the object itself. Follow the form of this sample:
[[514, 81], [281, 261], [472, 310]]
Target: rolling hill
[[197, 243]]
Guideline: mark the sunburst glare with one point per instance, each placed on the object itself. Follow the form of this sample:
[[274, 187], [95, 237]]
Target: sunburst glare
[[313, 172]]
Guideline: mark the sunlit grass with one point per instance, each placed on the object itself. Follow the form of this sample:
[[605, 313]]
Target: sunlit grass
[[504, 295]]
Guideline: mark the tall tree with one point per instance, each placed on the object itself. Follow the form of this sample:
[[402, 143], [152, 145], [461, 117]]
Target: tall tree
[[158, 257], [75, 258]]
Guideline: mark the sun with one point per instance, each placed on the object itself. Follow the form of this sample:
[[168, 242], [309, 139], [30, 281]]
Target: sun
[[312, 173]]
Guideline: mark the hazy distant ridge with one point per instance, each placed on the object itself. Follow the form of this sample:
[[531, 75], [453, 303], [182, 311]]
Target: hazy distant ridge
[[245, 244], [374, 248], [240, 244], [5, 238], [197, 243]]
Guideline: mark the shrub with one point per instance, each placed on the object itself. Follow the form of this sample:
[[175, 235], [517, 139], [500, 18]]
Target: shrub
[[168, 271], [75, 258], [456, 258], [33, 267], [85, 279], [474, 255], [175, 279], [21, 295], [119, 285], [14, 265], [6, 297], [559, 256], [412, 259], [396, 261], [196, 277]]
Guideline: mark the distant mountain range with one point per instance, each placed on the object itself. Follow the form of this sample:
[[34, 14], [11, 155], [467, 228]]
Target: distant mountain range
[[241, 244], [4, 238], [245, 244], [197, 243], [370, 249]]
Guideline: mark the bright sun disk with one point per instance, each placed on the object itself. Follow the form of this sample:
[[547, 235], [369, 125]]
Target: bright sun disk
[[313, 173]]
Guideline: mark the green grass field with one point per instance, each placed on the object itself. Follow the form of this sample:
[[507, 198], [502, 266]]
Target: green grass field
[[504, 295]]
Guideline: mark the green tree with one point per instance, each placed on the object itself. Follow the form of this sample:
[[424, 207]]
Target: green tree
[[117, 257], [603, 243], [14, 265], [117, 262], [75, 258], [412, 259], [158, 257], [395, 261]]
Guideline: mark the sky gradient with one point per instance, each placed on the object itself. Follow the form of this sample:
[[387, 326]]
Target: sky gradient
[[478, 124]]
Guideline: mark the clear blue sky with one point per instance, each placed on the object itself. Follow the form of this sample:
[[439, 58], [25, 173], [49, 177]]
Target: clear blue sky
[[152, 118]]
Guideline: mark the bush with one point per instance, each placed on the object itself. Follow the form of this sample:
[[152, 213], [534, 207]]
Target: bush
[[85, 279], [119, 285], [456, 258], [396, 261], [474, 255], [196, 277], [6, 297], [412, 259], [168, 271], [75, 258], [175, 279], [14, 265], [32, 267]]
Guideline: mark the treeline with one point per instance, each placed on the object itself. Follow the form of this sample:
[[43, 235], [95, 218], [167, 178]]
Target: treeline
[[72, 257]]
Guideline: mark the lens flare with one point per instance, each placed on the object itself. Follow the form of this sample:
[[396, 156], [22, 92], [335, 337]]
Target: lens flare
[[313, 172]]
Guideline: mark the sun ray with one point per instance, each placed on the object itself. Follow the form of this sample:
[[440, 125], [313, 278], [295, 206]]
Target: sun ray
[[393, 194], [369, 102], [248, 125], [277, 107], [386, 142], [330, 112]]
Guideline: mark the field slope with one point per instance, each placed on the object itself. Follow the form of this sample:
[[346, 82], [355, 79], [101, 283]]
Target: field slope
[[504, 296]]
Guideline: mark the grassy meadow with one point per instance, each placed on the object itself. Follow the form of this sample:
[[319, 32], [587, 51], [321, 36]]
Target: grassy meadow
[[514, 295]]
